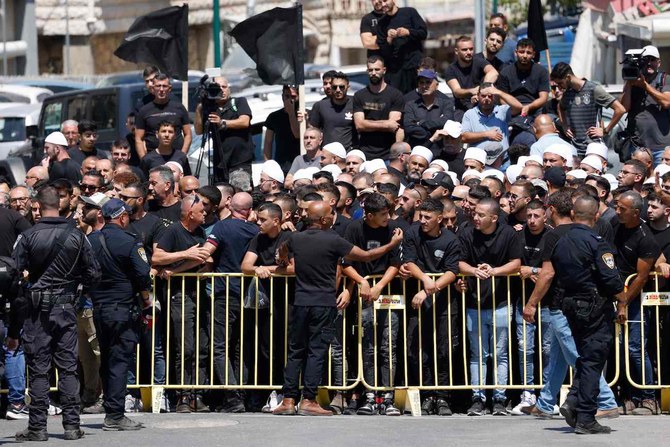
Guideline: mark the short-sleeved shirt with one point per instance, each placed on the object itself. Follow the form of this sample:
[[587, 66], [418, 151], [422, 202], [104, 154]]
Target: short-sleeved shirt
[[78, 156], [169, 214], [67, 169], [475, 121], [174, 239], [303, 161], [369, 25], [377, 107], [336, 121], [554, 294], [524, 85], [237, 147], [154, 159], [11, 225], [437, 254], [467, 77], [633, 244], [266, 247], [287, 146], [582, 111], [151, 115], [652, 122], [497, 63], [547, 140], [364, 236], [149, 229], [662, 237], [316, 270]]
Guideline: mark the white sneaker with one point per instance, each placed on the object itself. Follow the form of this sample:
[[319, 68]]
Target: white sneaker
[[133, 404], [527, 402], [556, 411], [165, 403], [54, 410], [274, 399]]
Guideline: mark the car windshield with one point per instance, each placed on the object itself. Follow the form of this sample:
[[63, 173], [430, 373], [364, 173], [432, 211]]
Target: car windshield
[[12, 129]]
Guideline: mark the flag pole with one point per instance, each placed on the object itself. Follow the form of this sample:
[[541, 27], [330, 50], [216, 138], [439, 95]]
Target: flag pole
[[300, 80], [184, 93], [548, 60]]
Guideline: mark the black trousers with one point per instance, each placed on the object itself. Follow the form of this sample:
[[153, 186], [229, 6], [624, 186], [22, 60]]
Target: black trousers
[[311, 330], [50, 336], [117, 331]]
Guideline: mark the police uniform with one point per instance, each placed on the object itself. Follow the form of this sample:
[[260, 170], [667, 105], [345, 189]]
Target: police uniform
[[585, 268], [115, 306], [58, 258]]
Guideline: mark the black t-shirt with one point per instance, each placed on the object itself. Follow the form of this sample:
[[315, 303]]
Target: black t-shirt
[[266, 248], [604, 230], [316, 269], [554, 294], [467, 77], [362, 235], [154, 159], [495, 249], [176, 238], [633, 244], [524, 85], [236, 145], [497, 63], [11, 225], [404, 52], [170, 213], [533, 245], [438, 254], [336, 121], [151, 115], [662, 237], [67, 169], [78, 156], [287, 146], [377, 107], [149, 229], [341, 224], [369, 25]]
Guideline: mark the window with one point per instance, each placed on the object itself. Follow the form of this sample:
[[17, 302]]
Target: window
[[52, 117], [103, 109], [76, 108]]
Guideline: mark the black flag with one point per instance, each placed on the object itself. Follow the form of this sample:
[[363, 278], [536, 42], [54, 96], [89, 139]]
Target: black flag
[[159, 38], [536, 31], [273, 39]]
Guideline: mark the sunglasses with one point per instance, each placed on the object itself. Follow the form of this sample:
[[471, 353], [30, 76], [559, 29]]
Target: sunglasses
[[88, 187], [195, 201], [124, 197], [338, 87]]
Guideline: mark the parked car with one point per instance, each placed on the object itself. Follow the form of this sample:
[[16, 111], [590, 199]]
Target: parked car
[[18, 129], [23, 94], [55, 85], [135, 77]]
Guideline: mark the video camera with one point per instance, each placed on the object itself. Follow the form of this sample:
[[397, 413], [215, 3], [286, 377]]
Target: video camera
[[634, 64], [209, 93]]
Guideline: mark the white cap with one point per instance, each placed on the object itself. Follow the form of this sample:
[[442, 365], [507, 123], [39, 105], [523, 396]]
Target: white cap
[[302, 174], [422, 151], [374, 165], [474, 153], [614, 183], [652, 51], [649, 181], [513, 172], [541, 183], [471, 173], [599, 149], [454, 178], [273, 170], [662, 169], [562, 150], [96, 199], [336, 149], [493, 173], [56, 138], [333, 169], [577, 173], [441, 163], [175, 165], [453, 128], [593, 161], [535, 158], [357, 153]]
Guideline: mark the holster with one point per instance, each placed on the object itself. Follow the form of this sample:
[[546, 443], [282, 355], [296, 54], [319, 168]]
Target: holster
[[584, 308]]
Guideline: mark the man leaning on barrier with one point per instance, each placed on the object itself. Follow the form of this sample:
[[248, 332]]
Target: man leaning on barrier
[[58, 258], [315, 307]]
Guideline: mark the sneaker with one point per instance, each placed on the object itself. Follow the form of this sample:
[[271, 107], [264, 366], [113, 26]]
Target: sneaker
[[31, 435], [442, 407], [352, 407], [556, 411], [369, 407], [17, 411], [120, 424], [74, 433], [184, 405], [569, 414], [627, 407], [233, 405], [612, 413], [499, 409], [198, 406], [428, 406], [648, 407], [273, 402], [133, 404], [96, 408], [54, 410], [594, 428], [525, 405], [477, 408], [387, 408], [165, 403], [534, 411]]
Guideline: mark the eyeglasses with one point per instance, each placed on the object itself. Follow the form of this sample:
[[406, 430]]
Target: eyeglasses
[[338, 87], [84, 187], [124, 197]]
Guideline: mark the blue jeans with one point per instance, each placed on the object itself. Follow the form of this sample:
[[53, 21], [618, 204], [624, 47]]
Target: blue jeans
[[145, 354], [563, 354], [15, 372], [486, 335], [635, 350], [528, 345]]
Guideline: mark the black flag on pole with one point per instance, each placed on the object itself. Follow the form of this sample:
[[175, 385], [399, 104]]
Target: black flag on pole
[[273, 39], [159, 38], [536, 31]]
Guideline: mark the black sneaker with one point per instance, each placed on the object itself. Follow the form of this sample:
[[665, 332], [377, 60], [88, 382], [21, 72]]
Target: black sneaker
[[499, 409], [442, 407], [198, 406], [569, 414], [593, 428], [428, 406], [477, 408], [120, 424], [233, 405], [388, 409], [368, 408], [31, 435], [73, 433], [183, 405], [351, 408]]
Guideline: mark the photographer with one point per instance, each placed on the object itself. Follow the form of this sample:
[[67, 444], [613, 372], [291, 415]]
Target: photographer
[[647, 100], [229, 122]]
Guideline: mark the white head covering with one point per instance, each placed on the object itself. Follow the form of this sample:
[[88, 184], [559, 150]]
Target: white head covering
[[422, 151], [593, 161], [441, 163], [175, 165], [376, 164], [471, 173], [614, 183], [453, 128], [662, 169], [493, 173], [475, 153], [577, 173], [562, 150], [336, 148], [599, 149], [454, 178], [273, 170], [513, 172], [56, 138], [333, 169], [357, 153]]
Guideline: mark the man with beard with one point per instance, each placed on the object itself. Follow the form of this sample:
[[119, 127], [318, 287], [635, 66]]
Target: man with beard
[[313, 139], [283, 130], [495, 37], [65, 194], [368, 28], [163, 203], [446, 145], [272, 179], [409, 202], [334, 114], [398, 158], [354, 161], [521, 193], [377, 112], [419, 160], [57, 160], [421, 118], [657, 218], [19, 200]]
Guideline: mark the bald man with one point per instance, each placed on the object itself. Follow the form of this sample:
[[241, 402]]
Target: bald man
[[546, 134], [316, 304], [35, 174], [188, 186]]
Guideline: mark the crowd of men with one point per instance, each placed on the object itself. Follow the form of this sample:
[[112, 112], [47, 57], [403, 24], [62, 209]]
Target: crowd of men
[[398, 183]]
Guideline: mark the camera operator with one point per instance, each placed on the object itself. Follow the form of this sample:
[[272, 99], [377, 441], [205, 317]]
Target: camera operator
[[229, 121], [647, 100]]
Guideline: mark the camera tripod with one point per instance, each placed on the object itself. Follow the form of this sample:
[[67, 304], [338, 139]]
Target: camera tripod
[[210, 134]]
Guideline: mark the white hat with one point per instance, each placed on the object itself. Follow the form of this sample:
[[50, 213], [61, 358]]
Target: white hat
[[471, 173], [333, 169], [662, 169], [541, 183], [441, 163], [96, 199], [562, 150], [336, 149], [493, 173], [422, 151], [175, 165], [454, 178], [357, 153], [493, 149], [524, 159], [593, 161], [302, 174], [374, 165], [577, 173], [599, 149], [453, 128], [474, 153], [649, 181], [652, 51], [273, 170], [56, 138], [614, 183], [513, 172]]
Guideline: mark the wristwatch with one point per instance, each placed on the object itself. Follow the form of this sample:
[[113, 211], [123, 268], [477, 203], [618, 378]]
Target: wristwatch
[[534, 270]]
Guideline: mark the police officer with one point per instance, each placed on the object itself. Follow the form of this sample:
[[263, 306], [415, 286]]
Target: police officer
[[584, 265], [58, 258], [115, 310]]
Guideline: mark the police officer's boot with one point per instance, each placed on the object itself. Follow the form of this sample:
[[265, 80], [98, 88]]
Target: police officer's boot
[[592, 428], [73, 433], [31, 435]]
